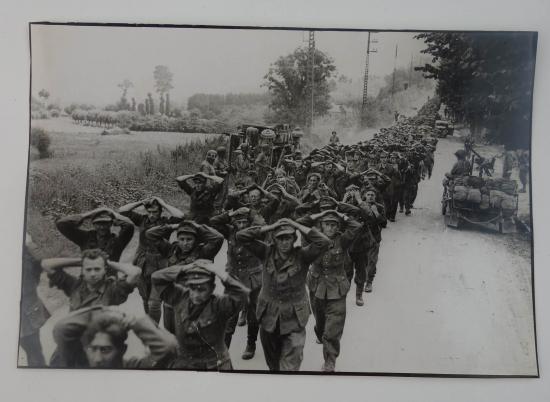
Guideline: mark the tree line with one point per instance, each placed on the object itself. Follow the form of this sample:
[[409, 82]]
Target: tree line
[[486, 81]]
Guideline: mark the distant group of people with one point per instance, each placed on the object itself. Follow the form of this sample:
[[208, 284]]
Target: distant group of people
[[298, 235]]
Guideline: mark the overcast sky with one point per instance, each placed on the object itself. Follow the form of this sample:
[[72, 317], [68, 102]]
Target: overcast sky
[[85, 64]]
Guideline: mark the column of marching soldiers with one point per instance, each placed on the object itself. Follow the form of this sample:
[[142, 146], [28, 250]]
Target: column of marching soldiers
[[298, 236]]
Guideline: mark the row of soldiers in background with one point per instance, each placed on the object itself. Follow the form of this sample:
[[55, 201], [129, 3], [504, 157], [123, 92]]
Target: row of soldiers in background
[[336, 201]]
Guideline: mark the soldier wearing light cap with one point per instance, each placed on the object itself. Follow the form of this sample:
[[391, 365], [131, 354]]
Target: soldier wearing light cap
[[193, 241], [243, 265], [328, 283], [200, 316], [283, 306]]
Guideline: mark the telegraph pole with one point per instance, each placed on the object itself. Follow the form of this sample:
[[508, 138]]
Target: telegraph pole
[[366, 79], [393, 78], [410, 71], [311, 71]]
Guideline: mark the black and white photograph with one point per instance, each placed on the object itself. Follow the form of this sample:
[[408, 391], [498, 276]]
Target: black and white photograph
[[279, 199]]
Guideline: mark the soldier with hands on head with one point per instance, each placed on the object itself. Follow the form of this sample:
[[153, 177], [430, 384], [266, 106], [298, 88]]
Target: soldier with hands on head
[[95, 337], [201, 317], [283, 305], [328, 283]]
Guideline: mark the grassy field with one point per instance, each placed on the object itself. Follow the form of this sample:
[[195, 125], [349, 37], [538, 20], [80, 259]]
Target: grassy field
[[88, 169]]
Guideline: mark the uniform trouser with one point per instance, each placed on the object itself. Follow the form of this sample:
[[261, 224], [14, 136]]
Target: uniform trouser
[[169, 319], [150, 305], [409, 195], [283, 352], [389, 201], [252, 321], [222, 195], [392, 211], [372, 260], [330, 317], [360, 266], [33, 349], [400, 199]]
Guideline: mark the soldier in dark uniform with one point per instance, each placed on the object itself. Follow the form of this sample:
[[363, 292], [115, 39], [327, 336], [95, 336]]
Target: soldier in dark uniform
[[251, 197], [147, 256], [95, 337], [358, 251], [100, 236], [287, 203], [203, 194], [328, 283], [193, 241], [33, 312], [200, 316], [283, 306], [411, 177], [376, 219], [397, 185], [244, 266], [389, 192]]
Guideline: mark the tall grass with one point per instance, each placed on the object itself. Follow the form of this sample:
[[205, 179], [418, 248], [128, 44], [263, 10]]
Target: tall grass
[[75, 189]]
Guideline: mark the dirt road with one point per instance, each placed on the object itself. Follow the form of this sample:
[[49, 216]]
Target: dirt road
[[445, 301]]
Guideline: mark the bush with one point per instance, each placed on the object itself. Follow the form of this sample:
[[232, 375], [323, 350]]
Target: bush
[[135, 121], [41, 140]]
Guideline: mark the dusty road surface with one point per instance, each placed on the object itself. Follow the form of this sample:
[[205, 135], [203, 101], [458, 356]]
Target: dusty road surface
[[445, 301]]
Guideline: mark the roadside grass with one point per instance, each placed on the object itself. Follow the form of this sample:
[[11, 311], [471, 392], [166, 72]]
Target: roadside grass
[[77, 184]]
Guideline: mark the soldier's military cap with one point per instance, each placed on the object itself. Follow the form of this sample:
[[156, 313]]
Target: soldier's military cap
[[102, 216], [372, 189], [186, 227], [199, 177], [197, 274], [330, 216], [283, 230], [325, 201]]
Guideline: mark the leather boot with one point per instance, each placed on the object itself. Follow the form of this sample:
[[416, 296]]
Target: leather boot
[[359, 296], [329, 366], [249, 351]]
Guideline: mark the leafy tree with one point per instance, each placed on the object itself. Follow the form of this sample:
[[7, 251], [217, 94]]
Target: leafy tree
[[147, 107], [151, 103], [44, 94], [167, 103], [141, 108], [133, 107], [125, 85], [163, 82], [288, 86], [161, 104], [486, 80]]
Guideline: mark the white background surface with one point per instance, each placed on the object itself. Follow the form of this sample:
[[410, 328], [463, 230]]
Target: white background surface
[[57, 385]]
